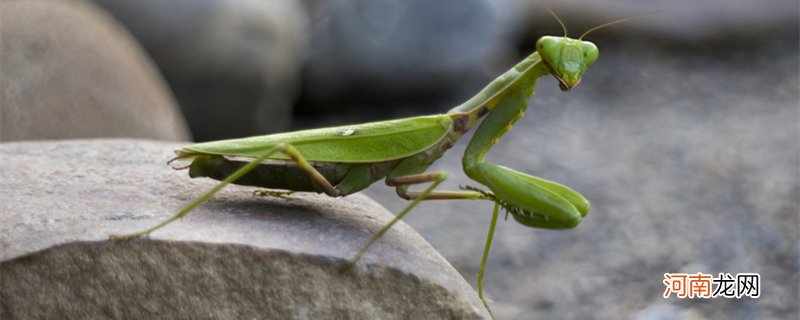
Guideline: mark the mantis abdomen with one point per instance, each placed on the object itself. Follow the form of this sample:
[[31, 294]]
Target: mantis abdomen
[[287, 175]]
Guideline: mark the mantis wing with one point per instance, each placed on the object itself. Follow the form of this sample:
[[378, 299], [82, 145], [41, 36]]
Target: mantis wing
[[362, 143]]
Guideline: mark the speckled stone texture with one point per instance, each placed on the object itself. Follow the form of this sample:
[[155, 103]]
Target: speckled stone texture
[[237, 256]]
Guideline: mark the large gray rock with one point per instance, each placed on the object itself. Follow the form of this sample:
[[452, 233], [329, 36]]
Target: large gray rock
[[234, 65], [70, 71], [236, 256]]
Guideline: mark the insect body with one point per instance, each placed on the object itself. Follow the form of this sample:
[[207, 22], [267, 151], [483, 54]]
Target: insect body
[[343, 160]]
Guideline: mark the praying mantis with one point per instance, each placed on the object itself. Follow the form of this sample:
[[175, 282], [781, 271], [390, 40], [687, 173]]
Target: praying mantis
[[343, 160]]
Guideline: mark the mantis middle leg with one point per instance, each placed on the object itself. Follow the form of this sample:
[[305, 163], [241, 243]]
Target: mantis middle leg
[[402, 184]]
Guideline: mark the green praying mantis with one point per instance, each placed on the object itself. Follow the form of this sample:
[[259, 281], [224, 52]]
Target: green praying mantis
[[343, 160]]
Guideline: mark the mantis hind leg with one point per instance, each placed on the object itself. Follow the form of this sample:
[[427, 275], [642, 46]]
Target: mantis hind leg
[[282, 148]]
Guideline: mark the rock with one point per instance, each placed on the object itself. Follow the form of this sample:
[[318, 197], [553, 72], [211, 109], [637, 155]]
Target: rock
[[234, 65], [236, 256], [378, 56], [69, 71]]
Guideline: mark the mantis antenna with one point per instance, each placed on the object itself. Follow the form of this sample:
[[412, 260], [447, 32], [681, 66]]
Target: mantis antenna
[[612, 22], [555, 16]]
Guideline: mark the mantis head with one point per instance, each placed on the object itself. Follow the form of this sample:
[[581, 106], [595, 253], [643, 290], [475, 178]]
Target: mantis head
[[567, 58]]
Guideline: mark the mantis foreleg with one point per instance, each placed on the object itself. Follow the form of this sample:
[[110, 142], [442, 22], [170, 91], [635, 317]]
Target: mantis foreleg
[[531, 201]]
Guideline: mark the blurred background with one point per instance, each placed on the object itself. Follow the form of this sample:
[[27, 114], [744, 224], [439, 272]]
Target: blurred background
[[683, 135]]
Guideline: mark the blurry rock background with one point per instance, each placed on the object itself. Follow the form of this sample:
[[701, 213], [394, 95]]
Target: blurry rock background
[[684, 134], [68, 70], [234, 65]]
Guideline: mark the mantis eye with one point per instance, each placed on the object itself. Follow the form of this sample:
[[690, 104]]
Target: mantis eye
[[548, 47], [590, 52]]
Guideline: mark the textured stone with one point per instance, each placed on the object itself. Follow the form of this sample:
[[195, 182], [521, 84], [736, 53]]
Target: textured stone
[[236, 256], [69, 71], [234, 65]]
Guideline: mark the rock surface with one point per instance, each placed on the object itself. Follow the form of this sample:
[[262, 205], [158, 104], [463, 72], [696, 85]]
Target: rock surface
[[70, 71], [236, 256], [234, 65]]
